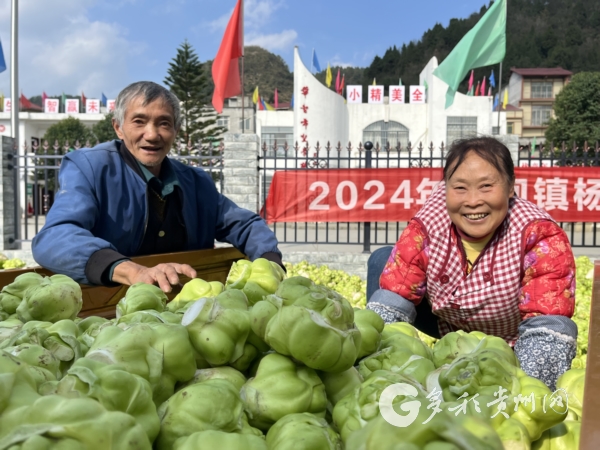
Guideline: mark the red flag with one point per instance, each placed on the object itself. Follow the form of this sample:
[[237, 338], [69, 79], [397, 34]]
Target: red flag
[[83, 99], [470, 81], [337, 81], [483, 87], [477, 89], [25, 104], [225, 69], [276, 99], [342, 85], [44, 97]]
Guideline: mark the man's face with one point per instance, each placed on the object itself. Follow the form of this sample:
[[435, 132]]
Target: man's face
[[148, 131]]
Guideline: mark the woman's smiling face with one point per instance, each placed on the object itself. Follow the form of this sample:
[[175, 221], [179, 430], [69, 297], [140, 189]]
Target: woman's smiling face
[[477, 196]]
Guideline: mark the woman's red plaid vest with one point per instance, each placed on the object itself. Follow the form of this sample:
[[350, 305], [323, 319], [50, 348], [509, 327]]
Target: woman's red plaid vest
[[487, 299]]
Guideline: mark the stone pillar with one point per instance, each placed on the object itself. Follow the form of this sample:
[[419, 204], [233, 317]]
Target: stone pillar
[[240, 172], [8, 195], [512, 142]]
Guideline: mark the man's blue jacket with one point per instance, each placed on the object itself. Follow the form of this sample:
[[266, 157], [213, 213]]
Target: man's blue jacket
[[101, 204]]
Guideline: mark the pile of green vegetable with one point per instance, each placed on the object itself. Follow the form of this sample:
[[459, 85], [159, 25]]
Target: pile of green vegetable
[[352, 287], [266, 361], [10, 263]]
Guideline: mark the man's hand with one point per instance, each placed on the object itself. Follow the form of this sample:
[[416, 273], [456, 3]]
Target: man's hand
[[164, 275]]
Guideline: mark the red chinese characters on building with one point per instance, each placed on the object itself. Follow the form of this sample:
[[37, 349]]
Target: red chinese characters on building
[[92, 107], [51, 106], [375, 95], [304, 109], [304, 137], [396, 94], [417, 94], [304, 123], [354, 94], [72, 106], [304, 90]]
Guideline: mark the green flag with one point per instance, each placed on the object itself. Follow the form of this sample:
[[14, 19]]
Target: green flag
[[533, 144], [470, 93], [399, 81], [483, 45], [64, 102]]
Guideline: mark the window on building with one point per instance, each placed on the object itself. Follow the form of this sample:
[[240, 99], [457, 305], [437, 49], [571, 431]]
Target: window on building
[[246, 124], [233, 102], [541, 89], [383, 133], [509, 128], [279, 135], [223, 121], [540, 114], [460, 128]]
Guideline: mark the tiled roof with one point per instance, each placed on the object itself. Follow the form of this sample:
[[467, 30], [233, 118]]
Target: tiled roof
[[542, 72]]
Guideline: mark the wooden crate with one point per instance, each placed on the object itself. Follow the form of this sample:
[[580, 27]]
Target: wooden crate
[[210, 265], [590, 422]]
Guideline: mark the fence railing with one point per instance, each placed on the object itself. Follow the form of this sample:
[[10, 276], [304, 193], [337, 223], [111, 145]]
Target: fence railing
[[37, 170], [302, 157], [581, 234]]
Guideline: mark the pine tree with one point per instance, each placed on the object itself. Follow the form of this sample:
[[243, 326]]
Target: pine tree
[[187, 80]]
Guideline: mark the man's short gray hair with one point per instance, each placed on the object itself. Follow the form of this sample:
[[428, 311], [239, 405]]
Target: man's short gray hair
[[149, 91]]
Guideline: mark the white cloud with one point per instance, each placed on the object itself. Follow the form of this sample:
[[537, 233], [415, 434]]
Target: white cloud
[[62, 50], [257, 15], [276, 41], [336, 61]]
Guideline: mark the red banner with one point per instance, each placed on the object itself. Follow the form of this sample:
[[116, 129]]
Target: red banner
[[395, 195]]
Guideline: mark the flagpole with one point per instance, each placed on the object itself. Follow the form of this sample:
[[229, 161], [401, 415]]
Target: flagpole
[[499, 90], [14, 72], [243, 97]]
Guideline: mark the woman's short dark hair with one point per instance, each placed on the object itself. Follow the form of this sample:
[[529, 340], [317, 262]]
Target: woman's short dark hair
[[488, 148]]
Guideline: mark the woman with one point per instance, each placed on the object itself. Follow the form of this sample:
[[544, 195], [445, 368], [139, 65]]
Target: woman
[[477, 257]]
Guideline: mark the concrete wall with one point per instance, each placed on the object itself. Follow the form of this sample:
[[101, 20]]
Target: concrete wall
[[274, 119], [327, 114]]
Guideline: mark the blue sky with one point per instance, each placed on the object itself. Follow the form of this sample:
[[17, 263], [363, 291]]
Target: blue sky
[[99, 46]]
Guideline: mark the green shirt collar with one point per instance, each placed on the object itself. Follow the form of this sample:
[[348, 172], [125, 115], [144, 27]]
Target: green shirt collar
[[166, 181]]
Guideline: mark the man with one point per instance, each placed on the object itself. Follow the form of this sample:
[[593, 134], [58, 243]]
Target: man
[[126, 198]]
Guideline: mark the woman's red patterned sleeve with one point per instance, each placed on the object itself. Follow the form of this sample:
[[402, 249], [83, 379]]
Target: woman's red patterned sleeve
[[405, 271], [548, 284]]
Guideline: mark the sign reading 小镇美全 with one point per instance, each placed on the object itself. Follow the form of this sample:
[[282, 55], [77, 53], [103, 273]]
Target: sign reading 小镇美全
[[395, 195]]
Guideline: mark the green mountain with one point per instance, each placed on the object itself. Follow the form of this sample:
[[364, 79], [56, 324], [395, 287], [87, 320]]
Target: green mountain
[[539, 33]]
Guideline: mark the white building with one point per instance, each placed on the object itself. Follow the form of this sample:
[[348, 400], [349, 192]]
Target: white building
[[320, 115], [33, 125]]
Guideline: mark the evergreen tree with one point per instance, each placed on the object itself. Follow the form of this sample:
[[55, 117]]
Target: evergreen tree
[[104, 130], [577, 111], [69, 134], [187, 80]]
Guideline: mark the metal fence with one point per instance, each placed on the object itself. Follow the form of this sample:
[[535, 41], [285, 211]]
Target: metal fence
[[300, 157], [37, 170], [282, 156], [581, 234]]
